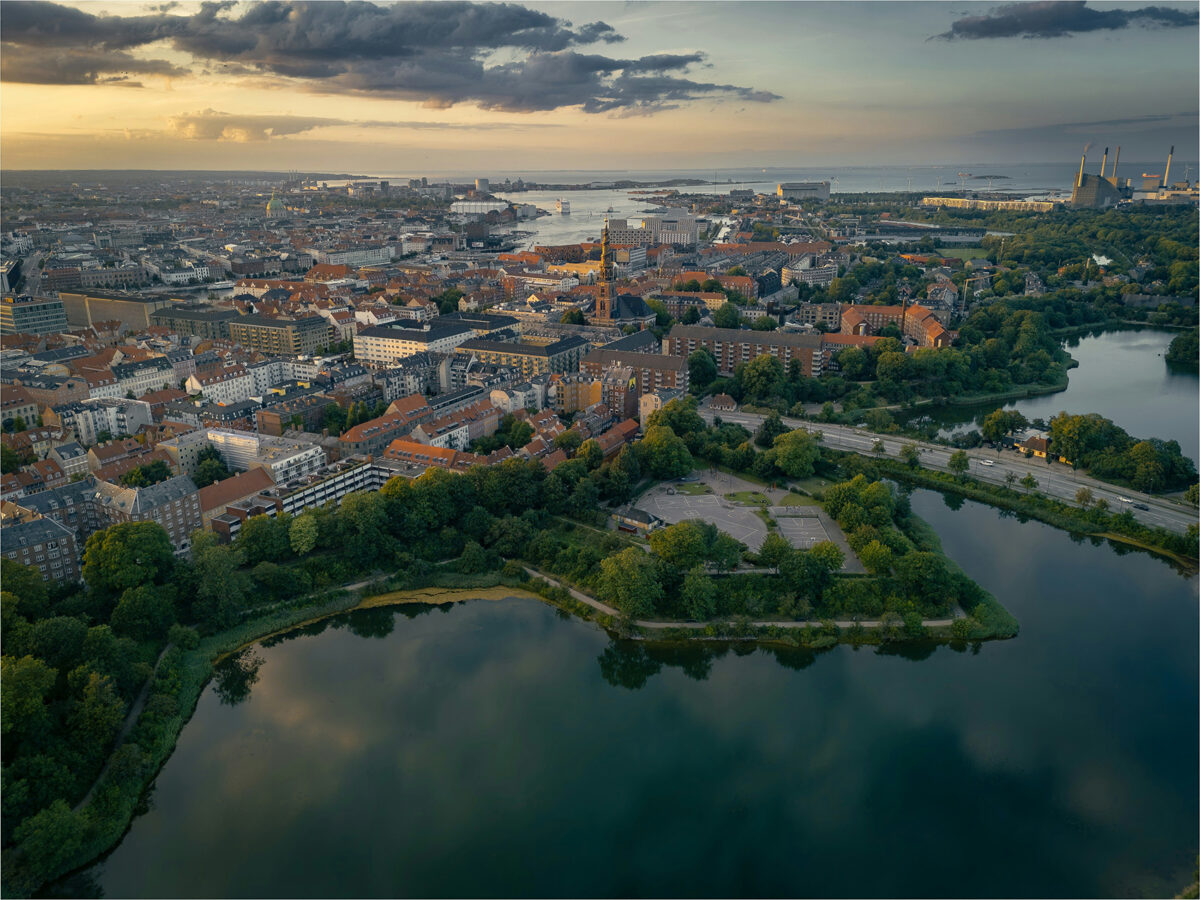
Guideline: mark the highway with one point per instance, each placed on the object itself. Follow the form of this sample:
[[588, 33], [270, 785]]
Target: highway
[[1053, 479]]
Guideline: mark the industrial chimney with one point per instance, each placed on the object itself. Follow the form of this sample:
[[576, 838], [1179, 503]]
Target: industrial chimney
[[1117, 159], [1167, 174], [1104, 162], [1082, 160]]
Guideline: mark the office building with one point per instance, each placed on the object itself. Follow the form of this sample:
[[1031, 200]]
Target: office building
[[29, 315]]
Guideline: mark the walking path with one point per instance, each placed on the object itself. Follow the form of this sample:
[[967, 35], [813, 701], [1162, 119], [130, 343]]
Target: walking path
[[126, 727], [647, 623]]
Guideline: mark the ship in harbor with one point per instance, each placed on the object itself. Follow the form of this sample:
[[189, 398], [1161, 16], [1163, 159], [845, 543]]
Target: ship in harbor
[[563, 207]]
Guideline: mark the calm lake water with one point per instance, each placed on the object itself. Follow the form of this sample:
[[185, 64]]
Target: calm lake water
[[499, 748], [1123, 376]]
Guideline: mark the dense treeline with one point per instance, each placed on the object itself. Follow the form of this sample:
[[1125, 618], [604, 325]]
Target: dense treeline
[[1107, 451], [1184, 351]]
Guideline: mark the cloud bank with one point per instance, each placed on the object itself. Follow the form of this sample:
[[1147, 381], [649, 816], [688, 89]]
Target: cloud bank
[[1062, 18], [499, 56]]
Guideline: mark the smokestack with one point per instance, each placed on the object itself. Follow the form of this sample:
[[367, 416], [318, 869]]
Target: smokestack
[[1104, 162], [1082, 160], [1167, 174], [1116, 160]]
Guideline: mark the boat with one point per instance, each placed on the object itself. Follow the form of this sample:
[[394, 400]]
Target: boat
[[563, 207]]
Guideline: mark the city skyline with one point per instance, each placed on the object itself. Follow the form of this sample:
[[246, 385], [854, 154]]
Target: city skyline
[[496, 87]]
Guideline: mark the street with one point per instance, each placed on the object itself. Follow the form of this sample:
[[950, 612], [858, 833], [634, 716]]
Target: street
[[1053, 479]]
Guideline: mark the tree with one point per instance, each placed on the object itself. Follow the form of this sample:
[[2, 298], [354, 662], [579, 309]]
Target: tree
[[629, 581], [775, 549], [728, 316], [264, 538], [911, 454], [143, 476], [725, 552], [50, 839], [680, 546], [797, 452], [220, 589], [145, 613], [699, 595], [96, 716], [959, 462], [1001, 422], [302, 534], [879, 447], [25, 685], [680, 415], [852, 361], [591, 453], [10, 461], [568, 441], [877, 557], [663, 454], [771, 428], [702, 368], [127, 555], [1029, 482], [211, 468], [1084, 497], [924, 575], [762, 377]]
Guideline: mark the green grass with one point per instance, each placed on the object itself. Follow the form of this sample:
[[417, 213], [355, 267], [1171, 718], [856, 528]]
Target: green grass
[[749, 498], [692, 489], [961, 252], [814, 483]]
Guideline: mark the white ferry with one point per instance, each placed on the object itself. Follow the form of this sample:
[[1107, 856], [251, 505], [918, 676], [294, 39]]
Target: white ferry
[[563, 207]]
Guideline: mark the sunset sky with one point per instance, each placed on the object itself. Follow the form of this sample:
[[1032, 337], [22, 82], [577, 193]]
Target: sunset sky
[[519, 87]]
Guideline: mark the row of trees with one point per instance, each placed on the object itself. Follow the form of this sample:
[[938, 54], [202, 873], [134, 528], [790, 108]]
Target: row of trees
[[1107, 451]]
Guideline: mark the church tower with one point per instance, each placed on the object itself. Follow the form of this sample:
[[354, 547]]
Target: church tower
[[604, 298]]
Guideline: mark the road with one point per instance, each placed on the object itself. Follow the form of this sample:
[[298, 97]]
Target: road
[[1054, 479]]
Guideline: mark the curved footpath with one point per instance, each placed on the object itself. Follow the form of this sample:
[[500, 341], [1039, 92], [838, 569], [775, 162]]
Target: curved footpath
[[647, 623], [1054, 479]]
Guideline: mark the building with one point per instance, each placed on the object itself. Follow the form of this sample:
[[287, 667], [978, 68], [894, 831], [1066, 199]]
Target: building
[[92, 420], [372, 437], [133, 311], [174, 504], [384, 345], [563, 355], [915, 322], [653, 371], [731, 347], [282, 457], [222, 384], [803, 190], [287, 337], [242, 486], [973, 203], [45, 544], [16, 403], [29, 315], [205, 322]]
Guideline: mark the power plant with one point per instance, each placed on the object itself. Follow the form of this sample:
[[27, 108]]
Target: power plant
[[1100, 191]]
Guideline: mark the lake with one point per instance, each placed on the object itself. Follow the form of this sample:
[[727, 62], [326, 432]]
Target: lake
[[1123, 376], [501, 748]]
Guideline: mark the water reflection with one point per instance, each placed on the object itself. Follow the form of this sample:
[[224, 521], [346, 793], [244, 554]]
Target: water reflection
[[235, 675]]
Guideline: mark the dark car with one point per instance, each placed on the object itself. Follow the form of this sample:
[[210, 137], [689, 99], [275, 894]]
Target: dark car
[[1140, 506]]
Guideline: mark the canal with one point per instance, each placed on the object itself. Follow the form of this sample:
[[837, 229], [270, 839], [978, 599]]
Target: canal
[[501, 748]]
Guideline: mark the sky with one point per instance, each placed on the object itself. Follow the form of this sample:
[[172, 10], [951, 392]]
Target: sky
[[521, 87]]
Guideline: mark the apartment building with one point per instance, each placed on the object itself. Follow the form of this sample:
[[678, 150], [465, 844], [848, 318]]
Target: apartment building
[[174, 504], [287, 337], [653, 371], [731, 347], [384, 345], [529, 359], [44, 544]]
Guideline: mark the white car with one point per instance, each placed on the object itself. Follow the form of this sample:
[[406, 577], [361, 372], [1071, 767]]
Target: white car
[[986, 462], [1124, 499]]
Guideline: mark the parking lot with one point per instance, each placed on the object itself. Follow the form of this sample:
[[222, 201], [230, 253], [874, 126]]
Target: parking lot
[[801, 526]]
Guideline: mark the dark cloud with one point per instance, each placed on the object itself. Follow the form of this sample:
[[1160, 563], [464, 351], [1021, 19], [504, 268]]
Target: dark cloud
[[1062, 18], [498, 55], [211, 125]]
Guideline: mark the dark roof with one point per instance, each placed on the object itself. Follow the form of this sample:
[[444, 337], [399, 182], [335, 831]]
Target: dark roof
[[643, 341], [36, 531]]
